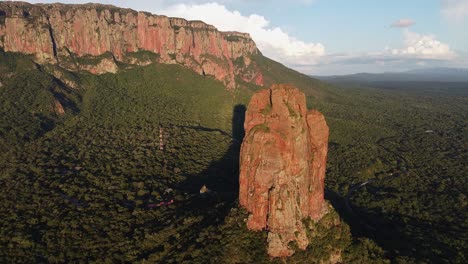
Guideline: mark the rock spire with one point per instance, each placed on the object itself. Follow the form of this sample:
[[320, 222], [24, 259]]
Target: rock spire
[[282, 166]]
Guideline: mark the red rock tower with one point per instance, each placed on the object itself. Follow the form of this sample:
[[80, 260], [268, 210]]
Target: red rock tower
[[282, 166]]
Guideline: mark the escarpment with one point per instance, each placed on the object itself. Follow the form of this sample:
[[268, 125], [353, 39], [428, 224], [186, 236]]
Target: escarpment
[[282, 167], [99, 38]]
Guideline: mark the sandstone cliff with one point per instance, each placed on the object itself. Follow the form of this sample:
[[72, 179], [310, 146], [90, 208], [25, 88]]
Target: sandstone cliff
[[106, 36], [282, 171]]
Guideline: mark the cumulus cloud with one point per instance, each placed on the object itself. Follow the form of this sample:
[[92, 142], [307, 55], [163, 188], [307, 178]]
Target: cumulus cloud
[[403, 23], [423, 46], [455, 10], [272, 41], [417, 50]]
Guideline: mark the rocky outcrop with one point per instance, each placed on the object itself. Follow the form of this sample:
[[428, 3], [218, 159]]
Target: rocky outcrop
[[57, 33], [282, 167], [58, 108]]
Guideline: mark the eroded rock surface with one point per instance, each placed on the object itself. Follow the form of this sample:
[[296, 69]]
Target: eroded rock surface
[[282, 171], [59, 33]]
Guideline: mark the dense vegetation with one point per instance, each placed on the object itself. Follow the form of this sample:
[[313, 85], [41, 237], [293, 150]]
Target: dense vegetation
[[94, 185], [27, 100], [408, 147]]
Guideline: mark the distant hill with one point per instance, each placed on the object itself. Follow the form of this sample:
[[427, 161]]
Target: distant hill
[[419, 75]]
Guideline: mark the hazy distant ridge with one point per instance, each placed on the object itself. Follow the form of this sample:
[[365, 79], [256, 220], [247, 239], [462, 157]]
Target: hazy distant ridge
[[419, 75]]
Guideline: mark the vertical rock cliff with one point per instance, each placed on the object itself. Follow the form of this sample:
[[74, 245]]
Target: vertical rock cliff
[[58, 33], [282, 171]]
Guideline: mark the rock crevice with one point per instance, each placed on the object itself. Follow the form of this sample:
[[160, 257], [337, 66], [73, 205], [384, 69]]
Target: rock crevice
[[52, 39], [283, 159]]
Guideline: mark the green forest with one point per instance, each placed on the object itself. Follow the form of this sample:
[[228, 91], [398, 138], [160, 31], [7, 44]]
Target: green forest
[[94, 184]]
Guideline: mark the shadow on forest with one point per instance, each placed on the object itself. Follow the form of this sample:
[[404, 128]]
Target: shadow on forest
[[221, 178], [406, 235], [399, 235]]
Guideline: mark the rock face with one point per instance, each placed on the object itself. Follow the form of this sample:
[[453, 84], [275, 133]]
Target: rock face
[[57, 33], [282, 171]]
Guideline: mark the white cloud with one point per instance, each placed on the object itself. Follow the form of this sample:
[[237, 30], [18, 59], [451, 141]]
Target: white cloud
[[272, 41], [417, 50], [403, 23], [423, 46], [455, 10]]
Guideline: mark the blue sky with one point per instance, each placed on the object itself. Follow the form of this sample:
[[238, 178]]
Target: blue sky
[[326, 37]]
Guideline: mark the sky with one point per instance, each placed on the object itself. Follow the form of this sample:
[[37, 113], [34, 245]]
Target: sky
[[334, 37]]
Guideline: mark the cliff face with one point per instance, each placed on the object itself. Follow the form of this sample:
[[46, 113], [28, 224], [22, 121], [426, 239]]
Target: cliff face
[[58, 33], [282, 171]]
